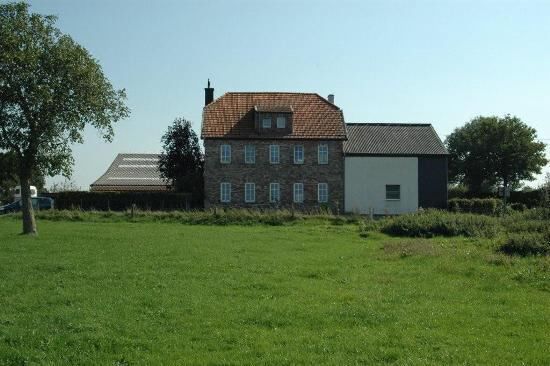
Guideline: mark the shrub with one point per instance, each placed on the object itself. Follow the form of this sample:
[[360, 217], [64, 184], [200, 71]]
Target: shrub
[[527, 243], [486, 206], [441, 223], [540, 213], [516, 206], [517, 223]]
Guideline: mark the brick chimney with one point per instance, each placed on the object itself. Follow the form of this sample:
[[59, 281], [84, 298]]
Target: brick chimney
[[208, 94]]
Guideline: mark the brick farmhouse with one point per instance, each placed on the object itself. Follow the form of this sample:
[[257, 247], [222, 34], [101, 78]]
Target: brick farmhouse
[[281, 150]]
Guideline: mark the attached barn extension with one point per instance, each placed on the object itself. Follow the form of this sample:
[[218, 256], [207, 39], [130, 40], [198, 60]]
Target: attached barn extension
[[394, 168]]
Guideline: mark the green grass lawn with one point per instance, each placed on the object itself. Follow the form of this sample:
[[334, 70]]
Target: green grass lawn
[[308, 293]]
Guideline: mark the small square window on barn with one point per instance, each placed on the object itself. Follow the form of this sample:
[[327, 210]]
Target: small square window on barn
[[393, 192]]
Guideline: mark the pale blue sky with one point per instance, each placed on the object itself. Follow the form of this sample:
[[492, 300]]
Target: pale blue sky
[[442, 62]]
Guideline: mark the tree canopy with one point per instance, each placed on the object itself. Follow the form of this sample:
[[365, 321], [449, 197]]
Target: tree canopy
[[490, 151], [181, 160], [51, 88]]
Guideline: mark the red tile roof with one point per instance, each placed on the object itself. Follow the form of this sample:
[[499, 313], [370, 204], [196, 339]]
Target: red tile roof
[[313, 117]]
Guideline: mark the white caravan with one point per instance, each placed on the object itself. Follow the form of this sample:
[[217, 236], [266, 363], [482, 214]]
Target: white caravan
[[17, 193]]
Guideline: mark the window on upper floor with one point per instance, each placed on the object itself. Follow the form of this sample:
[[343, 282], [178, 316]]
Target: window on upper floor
[[250, 154], [322, 155], [225, 192], [393, 192], [266, 122], [281, 122], [225, 154], [298, 154], [274, 157], [322, 192]]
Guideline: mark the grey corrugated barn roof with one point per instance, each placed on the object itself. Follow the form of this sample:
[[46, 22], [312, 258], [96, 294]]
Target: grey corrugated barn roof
[[132, 172], [398, 139]]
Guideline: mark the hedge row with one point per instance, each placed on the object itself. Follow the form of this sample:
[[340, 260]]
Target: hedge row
[[528, 198], [486, 206], [441, 223], [120, 201]]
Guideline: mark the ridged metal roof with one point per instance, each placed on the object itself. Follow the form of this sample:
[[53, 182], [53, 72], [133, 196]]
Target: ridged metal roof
[[132, 172], [392, 139]]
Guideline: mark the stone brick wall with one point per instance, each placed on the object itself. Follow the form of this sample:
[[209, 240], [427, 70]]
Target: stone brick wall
[[286, 173]]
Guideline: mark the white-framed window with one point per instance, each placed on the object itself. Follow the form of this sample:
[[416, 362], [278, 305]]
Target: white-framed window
[[274, 192], [225, 192], [322, 192], [266, 122], [298, 154], [249, 154], [281, 122], [322, 154], [250, 192], [393, 192], [225, 154], [298, 192], [274, 157]]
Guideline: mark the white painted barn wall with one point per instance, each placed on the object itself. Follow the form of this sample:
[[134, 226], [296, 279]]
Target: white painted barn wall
[[365, 184]]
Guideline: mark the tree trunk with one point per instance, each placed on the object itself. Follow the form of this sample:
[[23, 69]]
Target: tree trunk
[[29, 223], [505, 186]]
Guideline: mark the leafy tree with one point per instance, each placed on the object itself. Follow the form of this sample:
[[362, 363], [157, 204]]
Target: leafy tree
[[182, 160], [50, 89], [490, 151], [545, 191]]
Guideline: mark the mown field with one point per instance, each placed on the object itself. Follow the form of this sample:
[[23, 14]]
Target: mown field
[[311, 292]]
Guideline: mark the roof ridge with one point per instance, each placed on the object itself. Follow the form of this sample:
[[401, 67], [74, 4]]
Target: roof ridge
[[390, 124], [138, 153], [270, 92]]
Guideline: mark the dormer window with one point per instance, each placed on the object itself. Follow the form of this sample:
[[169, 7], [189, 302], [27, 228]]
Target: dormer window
[[281, 122], [273, 119]]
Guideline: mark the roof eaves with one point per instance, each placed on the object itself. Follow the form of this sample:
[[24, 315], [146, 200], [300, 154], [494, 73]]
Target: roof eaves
[[439, 139], [327, 102]]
